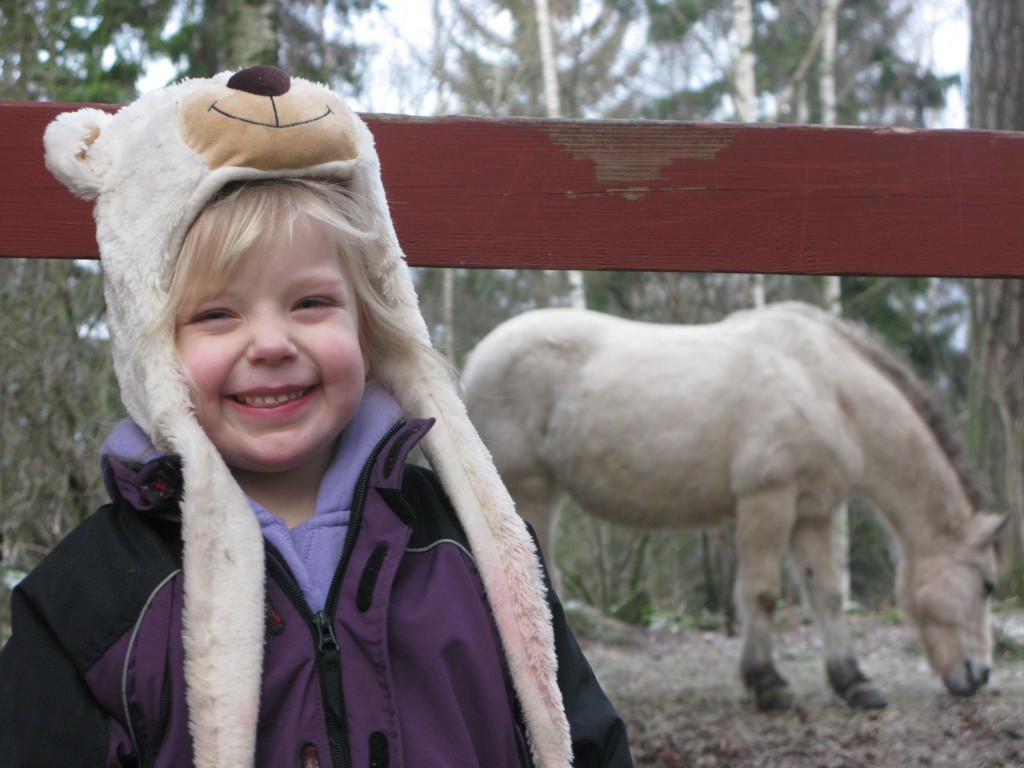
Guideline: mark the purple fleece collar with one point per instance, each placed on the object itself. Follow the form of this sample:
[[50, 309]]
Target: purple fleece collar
[[312, 549]]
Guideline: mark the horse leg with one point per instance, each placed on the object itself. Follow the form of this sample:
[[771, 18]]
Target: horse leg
[[539, 502], [763, 524], [815, 568]]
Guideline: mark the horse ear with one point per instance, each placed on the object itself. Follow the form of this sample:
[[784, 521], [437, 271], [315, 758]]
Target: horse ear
[[985, 526]]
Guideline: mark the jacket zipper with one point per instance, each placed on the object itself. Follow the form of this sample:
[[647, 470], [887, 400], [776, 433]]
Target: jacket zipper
[[328, 664], [329, 661], [321, 625]]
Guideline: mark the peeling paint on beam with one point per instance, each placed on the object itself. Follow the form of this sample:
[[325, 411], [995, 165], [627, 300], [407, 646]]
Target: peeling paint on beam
[[630, 151]]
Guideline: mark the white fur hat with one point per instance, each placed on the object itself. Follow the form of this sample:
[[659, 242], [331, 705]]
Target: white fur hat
[[150, 168]]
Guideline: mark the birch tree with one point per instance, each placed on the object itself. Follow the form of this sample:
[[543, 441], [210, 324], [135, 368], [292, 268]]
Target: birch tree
[[553, 107], [833, 285], [744, 87], [877, 81], [305, 37], [494, 62], [744, 81]]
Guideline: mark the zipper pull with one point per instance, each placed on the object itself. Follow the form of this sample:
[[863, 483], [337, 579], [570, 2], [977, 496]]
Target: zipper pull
[[325, 632]]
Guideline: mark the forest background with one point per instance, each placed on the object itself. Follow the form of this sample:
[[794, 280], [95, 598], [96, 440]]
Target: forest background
[[849, 62]]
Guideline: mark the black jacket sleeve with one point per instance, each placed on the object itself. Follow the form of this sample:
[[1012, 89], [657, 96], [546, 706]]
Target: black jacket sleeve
[[74, 605], [598, 733], [48, 716]]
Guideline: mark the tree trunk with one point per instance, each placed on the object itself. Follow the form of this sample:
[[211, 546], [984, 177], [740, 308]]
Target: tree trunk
[[252, 39], [744, 83], [448, 313], [553, 108], [744, 88], [833, 286], [996, 98], [546, 38], [827, 71], [996, 101]]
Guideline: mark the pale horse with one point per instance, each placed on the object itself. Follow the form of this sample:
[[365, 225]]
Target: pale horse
[[772, 417]]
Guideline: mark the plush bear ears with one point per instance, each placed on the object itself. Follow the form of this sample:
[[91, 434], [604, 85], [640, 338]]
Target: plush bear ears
[[67, 141]]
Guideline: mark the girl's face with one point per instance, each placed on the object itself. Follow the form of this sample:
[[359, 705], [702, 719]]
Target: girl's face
[[274, 357]]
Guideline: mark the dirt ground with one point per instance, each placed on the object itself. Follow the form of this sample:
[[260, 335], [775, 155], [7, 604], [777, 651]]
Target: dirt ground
[[679, 692]]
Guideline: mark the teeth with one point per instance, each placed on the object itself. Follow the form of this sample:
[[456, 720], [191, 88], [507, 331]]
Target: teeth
[[269, 399]]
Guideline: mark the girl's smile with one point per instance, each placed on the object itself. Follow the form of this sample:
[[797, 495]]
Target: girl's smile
[[271, 400], [274, 357]]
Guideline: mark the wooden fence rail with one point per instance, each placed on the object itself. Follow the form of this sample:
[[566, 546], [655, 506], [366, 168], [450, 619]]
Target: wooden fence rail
[[638, 195]]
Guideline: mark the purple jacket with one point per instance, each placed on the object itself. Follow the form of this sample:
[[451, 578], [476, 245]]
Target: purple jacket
[[403, 667]]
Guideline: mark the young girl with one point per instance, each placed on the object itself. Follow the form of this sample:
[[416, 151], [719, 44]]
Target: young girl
[[272, 583]]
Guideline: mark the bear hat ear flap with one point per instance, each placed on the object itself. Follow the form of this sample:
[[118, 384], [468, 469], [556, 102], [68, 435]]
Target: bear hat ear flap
[[67, 141]]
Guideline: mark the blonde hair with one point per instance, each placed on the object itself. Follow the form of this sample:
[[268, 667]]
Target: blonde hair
[[244, 214]]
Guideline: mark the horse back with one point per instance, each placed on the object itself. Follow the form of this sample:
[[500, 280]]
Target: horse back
[[681, 415]]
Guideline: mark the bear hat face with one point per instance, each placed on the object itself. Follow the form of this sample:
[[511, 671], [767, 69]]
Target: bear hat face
[[257, 120]]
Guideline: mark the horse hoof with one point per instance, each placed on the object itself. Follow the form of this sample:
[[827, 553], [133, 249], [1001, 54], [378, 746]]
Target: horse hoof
[[771, 691], [852, 686], [776, 698], [865, 696]]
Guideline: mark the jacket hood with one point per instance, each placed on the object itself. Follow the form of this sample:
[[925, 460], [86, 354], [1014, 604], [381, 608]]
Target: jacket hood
[[134, 470]]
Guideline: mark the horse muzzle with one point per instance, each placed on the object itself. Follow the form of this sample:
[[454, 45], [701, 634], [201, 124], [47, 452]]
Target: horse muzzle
[[966, 677]]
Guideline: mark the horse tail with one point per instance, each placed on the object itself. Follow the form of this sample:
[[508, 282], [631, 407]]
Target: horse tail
[[922, 397]]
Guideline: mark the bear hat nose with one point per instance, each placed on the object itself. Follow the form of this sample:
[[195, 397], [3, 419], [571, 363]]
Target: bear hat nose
[[261, 80]]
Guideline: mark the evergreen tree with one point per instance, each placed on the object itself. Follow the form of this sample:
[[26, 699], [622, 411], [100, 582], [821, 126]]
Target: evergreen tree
[[77, 50]]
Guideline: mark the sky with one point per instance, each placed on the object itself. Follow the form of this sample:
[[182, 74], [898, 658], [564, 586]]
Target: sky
[[947, 47], [403, 33]]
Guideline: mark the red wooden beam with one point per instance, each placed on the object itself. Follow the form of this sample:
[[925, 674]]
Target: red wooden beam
[[639, 195]]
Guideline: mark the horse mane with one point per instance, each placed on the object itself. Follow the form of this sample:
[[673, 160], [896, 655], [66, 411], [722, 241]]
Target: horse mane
[[922, 397]]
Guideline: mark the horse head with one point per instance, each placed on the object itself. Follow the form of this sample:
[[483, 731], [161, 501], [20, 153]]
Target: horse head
[[947, 594]]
